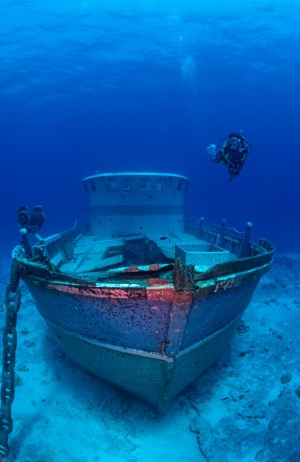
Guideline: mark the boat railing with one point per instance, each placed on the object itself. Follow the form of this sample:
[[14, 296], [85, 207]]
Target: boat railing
[[59, 244], [227, 238]]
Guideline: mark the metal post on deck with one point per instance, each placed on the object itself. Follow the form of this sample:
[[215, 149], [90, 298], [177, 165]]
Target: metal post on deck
[[222, 233], [244, 250], [200, 230]]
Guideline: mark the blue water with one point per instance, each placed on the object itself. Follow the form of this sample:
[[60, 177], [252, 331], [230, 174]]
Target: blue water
[[147, 85], [91, 86]]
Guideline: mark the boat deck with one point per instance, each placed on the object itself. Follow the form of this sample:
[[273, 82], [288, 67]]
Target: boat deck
[[90, 254]]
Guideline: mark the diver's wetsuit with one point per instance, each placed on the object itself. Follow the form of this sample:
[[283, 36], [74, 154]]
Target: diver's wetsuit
[[234, 159]]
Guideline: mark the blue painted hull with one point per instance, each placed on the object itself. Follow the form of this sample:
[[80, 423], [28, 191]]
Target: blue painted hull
[[150, 340]]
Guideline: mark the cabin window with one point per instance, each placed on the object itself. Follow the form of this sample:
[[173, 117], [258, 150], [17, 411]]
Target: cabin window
[[86, 187], [93, 186], [127, 184], [179, 185], [112, 184], [161, 184], [145, 184]]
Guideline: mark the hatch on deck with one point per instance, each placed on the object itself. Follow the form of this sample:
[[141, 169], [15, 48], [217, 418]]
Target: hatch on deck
[[202, 254]]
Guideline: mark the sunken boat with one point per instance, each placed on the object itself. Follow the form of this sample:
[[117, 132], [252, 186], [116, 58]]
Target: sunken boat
[[138, 296]]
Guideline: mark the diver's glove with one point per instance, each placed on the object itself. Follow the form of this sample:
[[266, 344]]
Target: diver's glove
[[212, 150]]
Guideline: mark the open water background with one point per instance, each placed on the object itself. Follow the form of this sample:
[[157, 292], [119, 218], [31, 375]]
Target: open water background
[[92, 85]]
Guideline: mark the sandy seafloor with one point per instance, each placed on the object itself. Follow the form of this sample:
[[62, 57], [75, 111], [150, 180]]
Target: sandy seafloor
[[245, 408]]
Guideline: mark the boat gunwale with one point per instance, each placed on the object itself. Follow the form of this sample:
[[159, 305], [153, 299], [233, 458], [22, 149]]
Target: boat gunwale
[[263, 255], [59, 278]]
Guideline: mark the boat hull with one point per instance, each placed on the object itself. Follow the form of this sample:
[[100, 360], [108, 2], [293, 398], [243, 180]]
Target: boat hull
[[150, 341], [155, 378]]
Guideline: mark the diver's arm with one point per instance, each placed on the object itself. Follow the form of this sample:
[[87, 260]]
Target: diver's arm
[[212, 151], [217, 157]]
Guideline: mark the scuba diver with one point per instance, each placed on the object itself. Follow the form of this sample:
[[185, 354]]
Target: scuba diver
[[232, 153]]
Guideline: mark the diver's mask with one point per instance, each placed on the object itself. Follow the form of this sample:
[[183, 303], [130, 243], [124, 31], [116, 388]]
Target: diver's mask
[[234, 143]]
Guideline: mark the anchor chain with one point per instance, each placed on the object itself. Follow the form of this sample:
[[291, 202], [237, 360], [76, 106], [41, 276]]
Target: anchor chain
[[12, 303]]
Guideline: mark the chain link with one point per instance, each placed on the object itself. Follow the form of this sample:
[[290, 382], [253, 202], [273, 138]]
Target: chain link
[[12, 303]]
